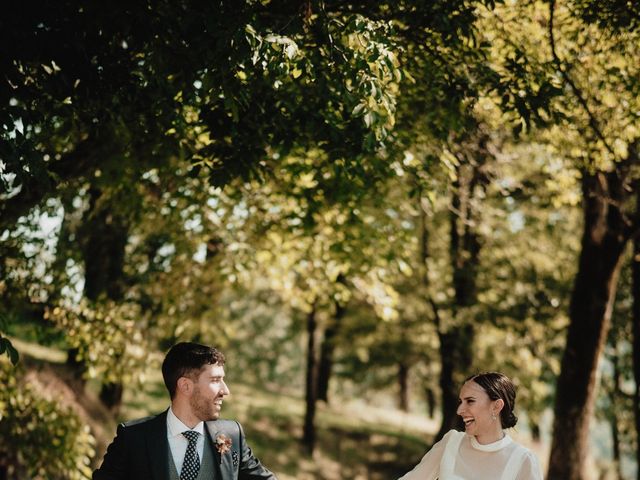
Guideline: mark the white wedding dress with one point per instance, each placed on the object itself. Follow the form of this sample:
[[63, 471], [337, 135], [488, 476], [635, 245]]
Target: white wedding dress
[[459, 456]]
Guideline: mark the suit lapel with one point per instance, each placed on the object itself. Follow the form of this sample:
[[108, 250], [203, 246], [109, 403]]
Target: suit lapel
[[223, 466], [158, 447]]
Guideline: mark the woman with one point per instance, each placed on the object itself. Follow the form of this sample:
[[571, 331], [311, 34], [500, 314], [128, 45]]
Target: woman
[[484, 451]]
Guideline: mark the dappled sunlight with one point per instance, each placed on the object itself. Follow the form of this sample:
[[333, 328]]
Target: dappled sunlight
[[360, 203]]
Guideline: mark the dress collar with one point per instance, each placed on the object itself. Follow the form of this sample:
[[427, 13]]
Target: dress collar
[[491, 447]]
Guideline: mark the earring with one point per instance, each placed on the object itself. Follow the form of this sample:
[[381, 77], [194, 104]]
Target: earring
[[493, 416]]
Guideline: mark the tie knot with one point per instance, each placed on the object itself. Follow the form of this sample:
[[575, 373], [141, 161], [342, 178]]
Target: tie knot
[[191, 435]]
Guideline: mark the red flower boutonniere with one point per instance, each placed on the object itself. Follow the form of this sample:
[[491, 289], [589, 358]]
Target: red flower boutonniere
[[223, 443]]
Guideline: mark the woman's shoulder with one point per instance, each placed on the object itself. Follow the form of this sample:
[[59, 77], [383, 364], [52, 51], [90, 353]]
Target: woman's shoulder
[[452, 438], [449, 440], [454, 433]]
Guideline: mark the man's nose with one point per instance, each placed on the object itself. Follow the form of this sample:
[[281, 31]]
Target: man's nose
[[225, 389]]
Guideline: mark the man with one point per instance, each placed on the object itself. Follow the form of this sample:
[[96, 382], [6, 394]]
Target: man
[[187, 441]]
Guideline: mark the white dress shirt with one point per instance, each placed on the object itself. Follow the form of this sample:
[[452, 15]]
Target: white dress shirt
[[178, 442]]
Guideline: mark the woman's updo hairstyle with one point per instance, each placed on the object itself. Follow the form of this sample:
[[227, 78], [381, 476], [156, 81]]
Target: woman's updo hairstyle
[[499, 386]]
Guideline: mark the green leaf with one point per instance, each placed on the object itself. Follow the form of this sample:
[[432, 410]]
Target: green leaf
[[13, 354], [9, 349], [358, 109]]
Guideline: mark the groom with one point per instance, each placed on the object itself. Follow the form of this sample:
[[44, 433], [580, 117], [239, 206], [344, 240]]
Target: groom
[[187, 441]]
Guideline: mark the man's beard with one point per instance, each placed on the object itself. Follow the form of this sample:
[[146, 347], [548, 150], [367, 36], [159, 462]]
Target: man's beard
[[203, 409]]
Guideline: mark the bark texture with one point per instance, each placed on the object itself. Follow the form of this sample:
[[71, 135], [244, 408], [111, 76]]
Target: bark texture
[[327, 349], [105, 236], [603, 242], [456, 342]]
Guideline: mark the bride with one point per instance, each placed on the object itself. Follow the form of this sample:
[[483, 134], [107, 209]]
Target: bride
[[484, 451]]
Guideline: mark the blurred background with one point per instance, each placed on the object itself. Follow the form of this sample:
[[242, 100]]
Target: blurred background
[[360, 203]]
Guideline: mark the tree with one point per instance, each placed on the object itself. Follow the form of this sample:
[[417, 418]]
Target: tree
[[598, 137], [316, 237], [308, 118], [90, 90], [456, 342]]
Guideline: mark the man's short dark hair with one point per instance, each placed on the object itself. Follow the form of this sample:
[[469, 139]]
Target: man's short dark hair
[[185, 359]]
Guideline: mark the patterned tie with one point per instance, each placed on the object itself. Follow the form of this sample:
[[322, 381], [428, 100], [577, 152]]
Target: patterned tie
[[191, 464]]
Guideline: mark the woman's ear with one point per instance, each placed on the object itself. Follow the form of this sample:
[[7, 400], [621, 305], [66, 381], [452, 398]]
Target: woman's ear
[[499, 405]]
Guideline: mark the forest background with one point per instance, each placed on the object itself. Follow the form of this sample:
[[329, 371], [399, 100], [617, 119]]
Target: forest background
[[362, 203]]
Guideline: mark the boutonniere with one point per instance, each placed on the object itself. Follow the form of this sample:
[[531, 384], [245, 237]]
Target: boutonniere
[[223, 443]]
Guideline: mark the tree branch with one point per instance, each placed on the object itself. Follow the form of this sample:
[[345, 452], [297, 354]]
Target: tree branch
[[593, 122]]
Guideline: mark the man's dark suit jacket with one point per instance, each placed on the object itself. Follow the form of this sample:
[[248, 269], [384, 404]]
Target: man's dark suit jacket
[[140, 451]]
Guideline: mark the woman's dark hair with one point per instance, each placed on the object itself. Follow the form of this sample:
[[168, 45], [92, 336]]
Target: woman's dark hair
[[499, 386], [186, 358]]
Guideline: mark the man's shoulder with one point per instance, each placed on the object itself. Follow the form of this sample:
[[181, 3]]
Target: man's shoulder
[[222, 425], [140, 423]]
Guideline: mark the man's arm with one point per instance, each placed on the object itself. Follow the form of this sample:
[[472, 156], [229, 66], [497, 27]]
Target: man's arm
[[250, 466], [114, 464]]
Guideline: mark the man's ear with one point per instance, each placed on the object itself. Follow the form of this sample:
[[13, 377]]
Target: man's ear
[[184, 385]]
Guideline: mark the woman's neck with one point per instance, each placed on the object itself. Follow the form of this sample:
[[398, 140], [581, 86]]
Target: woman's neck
[[490, 437]]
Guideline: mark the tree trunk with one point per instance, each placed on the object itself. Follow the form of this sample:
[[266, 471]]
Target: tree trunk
[[603, 243], [635, 269], [403, 384], [423, 259], [455, 354], [327, 349], [535, 431], [77, 367], [309, 429], [106, 235], [111, 396], [430, 397], [448, 386], [456, 343]]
